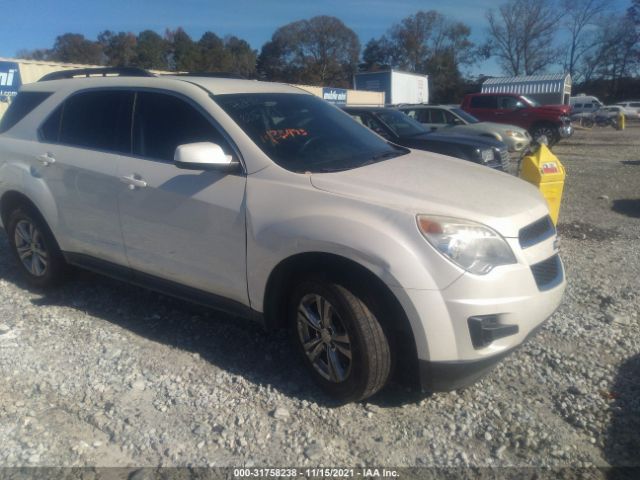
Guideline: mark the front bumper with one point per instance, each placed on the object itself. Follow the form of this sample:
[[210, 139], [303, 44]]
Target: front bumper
[[516, 299], [566, 131], [452, 375]]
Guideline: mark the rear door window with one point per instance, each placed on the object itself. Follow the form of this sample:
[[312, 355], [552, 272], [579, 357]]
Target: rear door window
[[436, 116], [20, 107], [162, 122], [509, 103], [484, 101], [99, 120]]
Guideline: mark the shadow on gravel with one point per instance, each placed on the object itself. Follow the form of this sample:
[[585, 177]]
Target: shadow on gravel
[[631, 162], [629, 207], [235, 345], [622, 442]]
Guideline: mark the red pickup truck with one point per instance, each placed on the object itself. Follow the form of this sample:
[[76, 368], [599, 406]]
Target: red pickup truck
[[552, 121]]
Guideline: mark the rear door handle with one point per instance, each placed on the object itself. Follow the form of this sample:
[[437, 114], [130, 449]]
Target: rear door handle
[[46, 159], [133, 182]]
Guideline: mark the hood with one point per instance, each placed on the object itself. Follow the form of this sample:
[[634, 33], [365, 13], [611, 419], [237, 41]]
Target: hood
[[422, 182], [449, 138], [559, 109]]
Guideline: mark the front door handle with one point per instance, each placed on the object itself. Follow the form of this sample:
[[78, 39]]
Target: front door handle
[[133, 181], [46, 159]]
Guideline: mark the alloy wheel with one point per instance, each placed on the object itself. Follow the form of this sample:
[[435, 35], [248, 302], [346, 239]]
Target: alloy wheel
[[30, 247], [324, 338]]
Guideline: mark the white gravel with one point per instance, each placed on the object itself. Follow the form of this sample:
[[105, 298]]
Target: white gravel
[[100, 373]]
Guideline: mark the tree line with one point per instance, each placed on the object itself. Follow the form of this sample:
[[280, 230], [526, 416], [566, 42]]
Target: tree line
[[586, 38]]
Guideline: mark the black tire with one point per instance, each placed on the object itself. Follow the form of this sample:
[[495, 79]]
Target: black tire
[[56, 268], [548, 130], [369, 368]]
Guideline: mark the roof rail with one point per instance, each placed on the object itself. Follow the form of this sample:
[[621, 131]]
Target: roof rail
[[237, 76], [103, 71]]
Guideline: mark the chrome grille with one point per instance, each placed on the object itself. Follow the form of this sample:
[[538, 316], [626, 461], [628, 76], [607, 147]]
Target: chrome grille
[[547, 273], [501, 159], [536, 232], [505, 160]]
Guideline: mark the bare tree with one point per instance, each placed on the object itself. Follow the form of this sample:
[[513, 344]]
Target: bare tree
[[616, 55], [579, 19], [522, 34]]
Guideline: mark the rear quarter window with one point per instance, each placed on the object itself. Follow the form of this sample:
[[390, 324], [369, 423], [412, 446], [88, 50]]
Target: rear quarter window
[[20, 107]]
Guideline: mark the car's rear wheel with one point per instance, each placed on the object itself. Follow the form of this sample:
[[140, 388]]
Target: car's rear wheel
[[341, 341], [33, 245]]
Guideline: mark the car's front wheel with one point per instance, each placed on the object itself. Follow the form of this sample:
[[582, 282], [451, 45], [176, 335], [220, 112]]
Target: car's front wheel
[[341, 341], [547, 132], [35, 248]]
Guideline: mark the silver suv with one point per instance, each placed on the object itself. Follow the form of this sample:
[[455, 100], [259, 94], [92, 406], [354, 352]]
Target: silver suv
[[262, 200]]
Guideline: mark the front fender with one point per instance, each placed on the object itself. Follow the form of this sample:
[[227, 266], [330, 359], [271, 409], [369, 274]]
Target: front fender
[[284, 219]]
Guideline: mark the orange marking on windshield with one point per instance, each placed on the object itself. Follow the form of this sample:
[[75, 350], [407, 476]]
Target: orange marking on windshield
[[276, 136]]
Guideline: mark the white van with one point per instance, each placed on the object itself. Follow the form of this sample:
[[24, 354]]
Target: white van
[[584, 104]]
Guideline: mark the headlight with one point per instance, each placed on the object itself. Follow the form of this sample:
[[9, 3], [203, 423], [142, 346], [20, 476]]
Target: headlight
[[472, 246], [511, 133], [485, 155]]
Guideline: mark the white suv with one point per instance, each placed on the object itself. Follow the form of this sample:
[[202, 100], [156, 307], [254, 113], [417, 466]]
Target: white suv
[[262, 200]]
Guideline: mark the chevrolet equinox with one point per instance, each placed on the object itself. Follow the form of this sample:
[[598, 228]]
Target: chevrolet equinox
[[262, 200]]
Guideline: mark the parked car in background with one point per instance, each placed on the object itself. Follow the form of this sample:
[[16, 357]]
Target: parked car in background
[[449, 119], [584, 104], [401, 129], [611, 115], [550, 121], [265, 201], [629, 112], [630, 105]]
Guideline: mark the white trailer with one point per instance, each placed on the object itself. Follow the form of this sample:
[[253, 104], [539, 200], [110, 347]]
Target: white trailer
[[399, 87]]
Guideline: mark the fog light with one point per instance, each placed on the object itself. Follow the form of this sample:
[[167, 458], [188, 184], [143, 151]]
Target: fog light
[[485, 329]]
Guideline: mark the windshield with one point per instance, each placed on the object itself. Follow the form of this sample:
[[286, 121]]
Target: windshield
[[530, 101], [305, 134], [401, 124], [467, 117]]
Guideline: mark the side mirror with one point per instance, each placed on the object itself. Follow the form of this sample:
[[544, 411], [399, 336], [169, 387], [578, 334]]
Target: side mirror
[[203, 156]]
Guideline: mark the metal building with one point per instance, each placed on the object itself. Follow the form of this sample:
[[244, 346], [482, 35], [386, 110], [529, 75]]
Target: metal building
[[552, 89]]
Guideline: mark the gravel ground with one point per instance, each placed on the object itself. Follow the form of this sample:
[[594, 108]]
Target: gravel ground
[[100, 373]]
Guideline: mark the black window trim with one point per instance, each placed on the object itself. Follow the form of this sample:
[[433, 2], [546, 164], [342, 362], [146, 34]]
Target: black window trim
[[134, 90]]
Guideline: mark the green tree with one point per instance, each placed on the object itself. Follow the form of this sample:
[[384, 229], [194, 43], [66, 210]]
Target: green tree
[[184, 54], [240, 56], [151, 50], [74, 48], [213, 55], [429, 43], [36, 54], [377, 55], [318, 51], [119, 49]]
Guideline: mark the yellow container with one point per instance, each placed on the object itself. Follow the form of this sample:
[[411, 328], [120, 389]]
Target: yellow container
[[544, 170]]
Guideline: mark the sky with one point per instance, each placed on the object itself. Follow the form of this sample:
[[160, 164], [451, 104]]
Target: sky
[[36, 23]]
